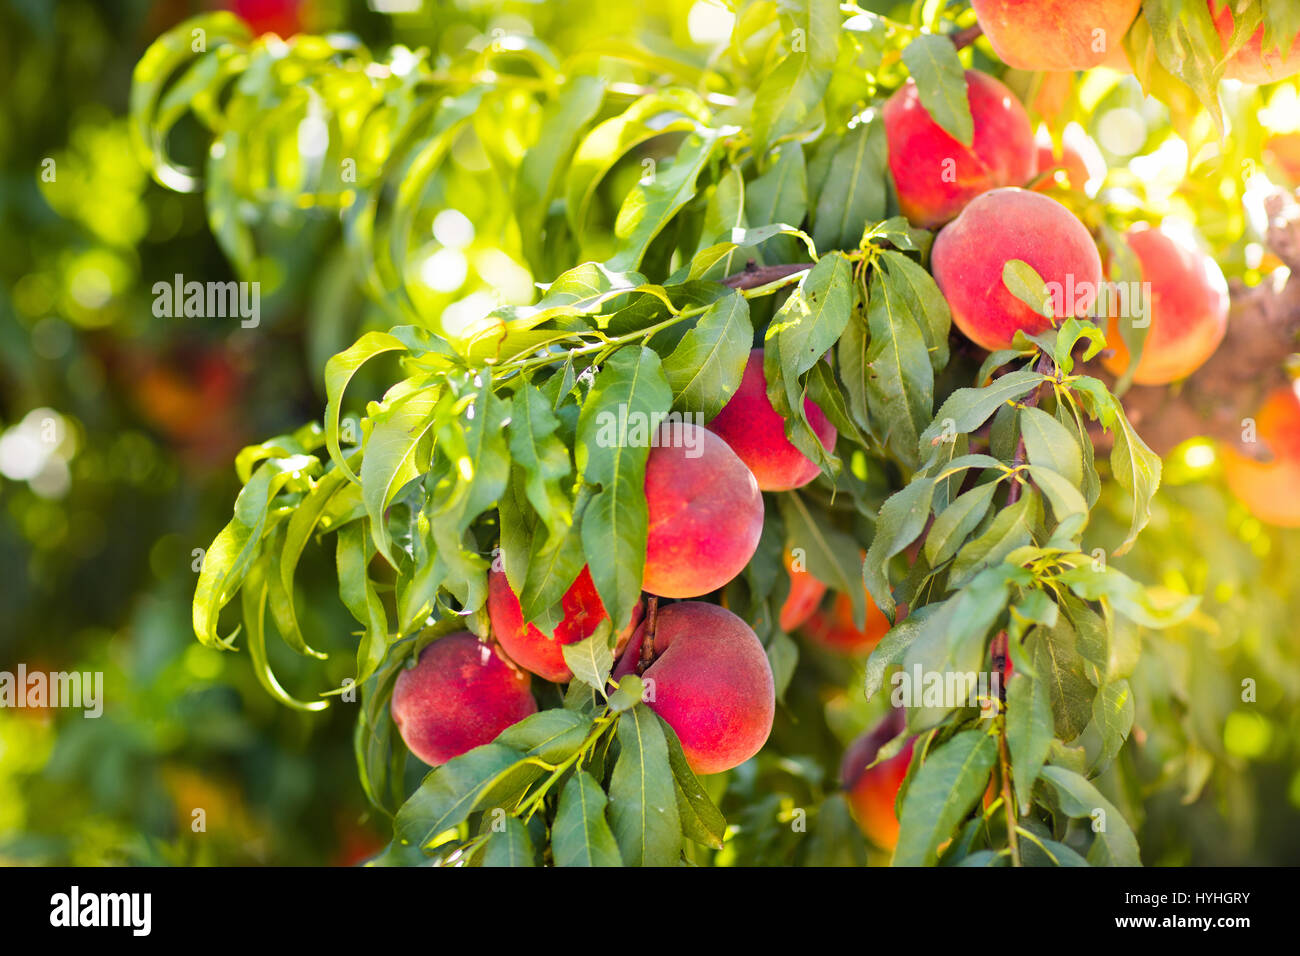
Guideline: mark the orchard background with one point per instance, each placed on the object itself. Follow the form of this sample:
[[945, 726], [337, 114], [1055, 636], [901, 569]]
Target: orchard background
[[478, 230]]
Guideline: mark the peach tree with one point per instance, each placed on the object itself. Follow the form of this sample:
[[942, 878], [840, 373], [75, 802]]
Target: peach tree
[[810, 389]]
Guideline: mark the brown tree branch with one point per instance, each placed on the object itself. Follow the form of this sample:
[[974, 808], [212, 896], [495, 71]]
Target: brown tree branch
[[967, 36], [1263, 325], [753, 276]]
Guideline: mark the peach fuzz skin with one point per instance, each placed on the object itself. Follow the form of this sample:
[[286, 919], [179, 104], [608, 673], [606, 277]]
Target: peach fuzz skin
[[1269, 489], [806, 593], [756, 433], [711, 683], [528, 646], [833, 627], [873, 791], [934, 174], [1250, 64], [705, 513], [1189, 309], [1057, 34], [1004, 224], [459, 696]]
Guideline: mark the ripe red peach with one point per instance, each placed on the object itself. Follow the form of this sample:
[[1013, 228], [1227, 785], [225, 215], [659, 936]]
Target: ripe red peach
[[1078, 165], [1268, 489], [1251, 64], [459, 695], [1057, 34], [705, 511], [935, 175], [1188, 309], [528, 646], [873, 792], [710, 680], [756, 433], [833, 627], [1003, 224], [805, 594]]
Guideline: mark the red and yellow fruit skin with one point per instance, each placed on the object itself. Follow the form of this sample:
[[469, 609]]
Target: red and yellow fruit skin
[[833, 628], [756, 433], [711, 682], [1271, 490], [705, 513], [1188, 309], [459, 696], [873, 792], [528, 646], [1283, 151], [1078, 165], [935, 175], [1057, 34], [1251, 64], [806, 593], [1003, 224]]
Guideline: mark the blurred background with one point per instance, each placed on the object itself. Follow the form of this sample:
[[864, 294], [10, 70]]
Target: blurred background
[[118, 431]]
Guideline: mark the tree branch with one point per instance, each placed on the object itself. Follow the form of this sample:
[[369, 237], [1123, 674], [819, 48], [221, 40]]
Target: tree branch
[[755, 276], [964, 38], [1262, 330]]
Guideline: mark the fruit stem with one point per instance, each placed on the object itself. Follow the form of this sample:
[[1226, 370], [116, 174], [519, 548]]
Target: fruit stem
[[999, 651], [648, 638], [964, 38]]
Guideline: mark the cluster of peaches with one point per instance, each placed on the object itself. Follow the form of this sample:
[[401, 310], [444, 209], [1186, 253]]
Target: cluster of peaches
[[712, 681]]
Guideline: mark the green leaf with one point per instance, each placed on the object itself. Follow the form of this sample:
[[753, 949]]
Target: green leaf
[[390, 457], [361, 598], [705, 369], [1049, 443], [1028, 286], [590, 659], [813, 317], [652, 204], [854, 192], [1011, 528], [1137, 470], [338, 372], [780, 195], [449, 794], [832, 556], [1125, 595], [951, 780], [643, 803], [509, 846], [923, 301], [1029, 733], [1114, 845], [941, 84], [701, 820], [581, 834], [900, 389], [967, 409], [541, 454], [1060, 667], [554, 735], [612, 456], [790, 93], [1112, 715], [901, 520], [237, 545], [955, 523], [543, 166]]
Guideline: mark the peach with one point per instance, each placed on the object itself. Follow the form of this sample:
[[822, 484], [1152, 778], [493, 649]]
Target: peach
[[528, 646], [1283, 151], [935, 175], [1188, 309], [459, 695], [710, 680], [805, 594], [1251, 64], [1078, 165], [833, 628], [705, 513], [1004, 224], [873, 791], [1057, 34], [755, 432], [1268, 489]]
